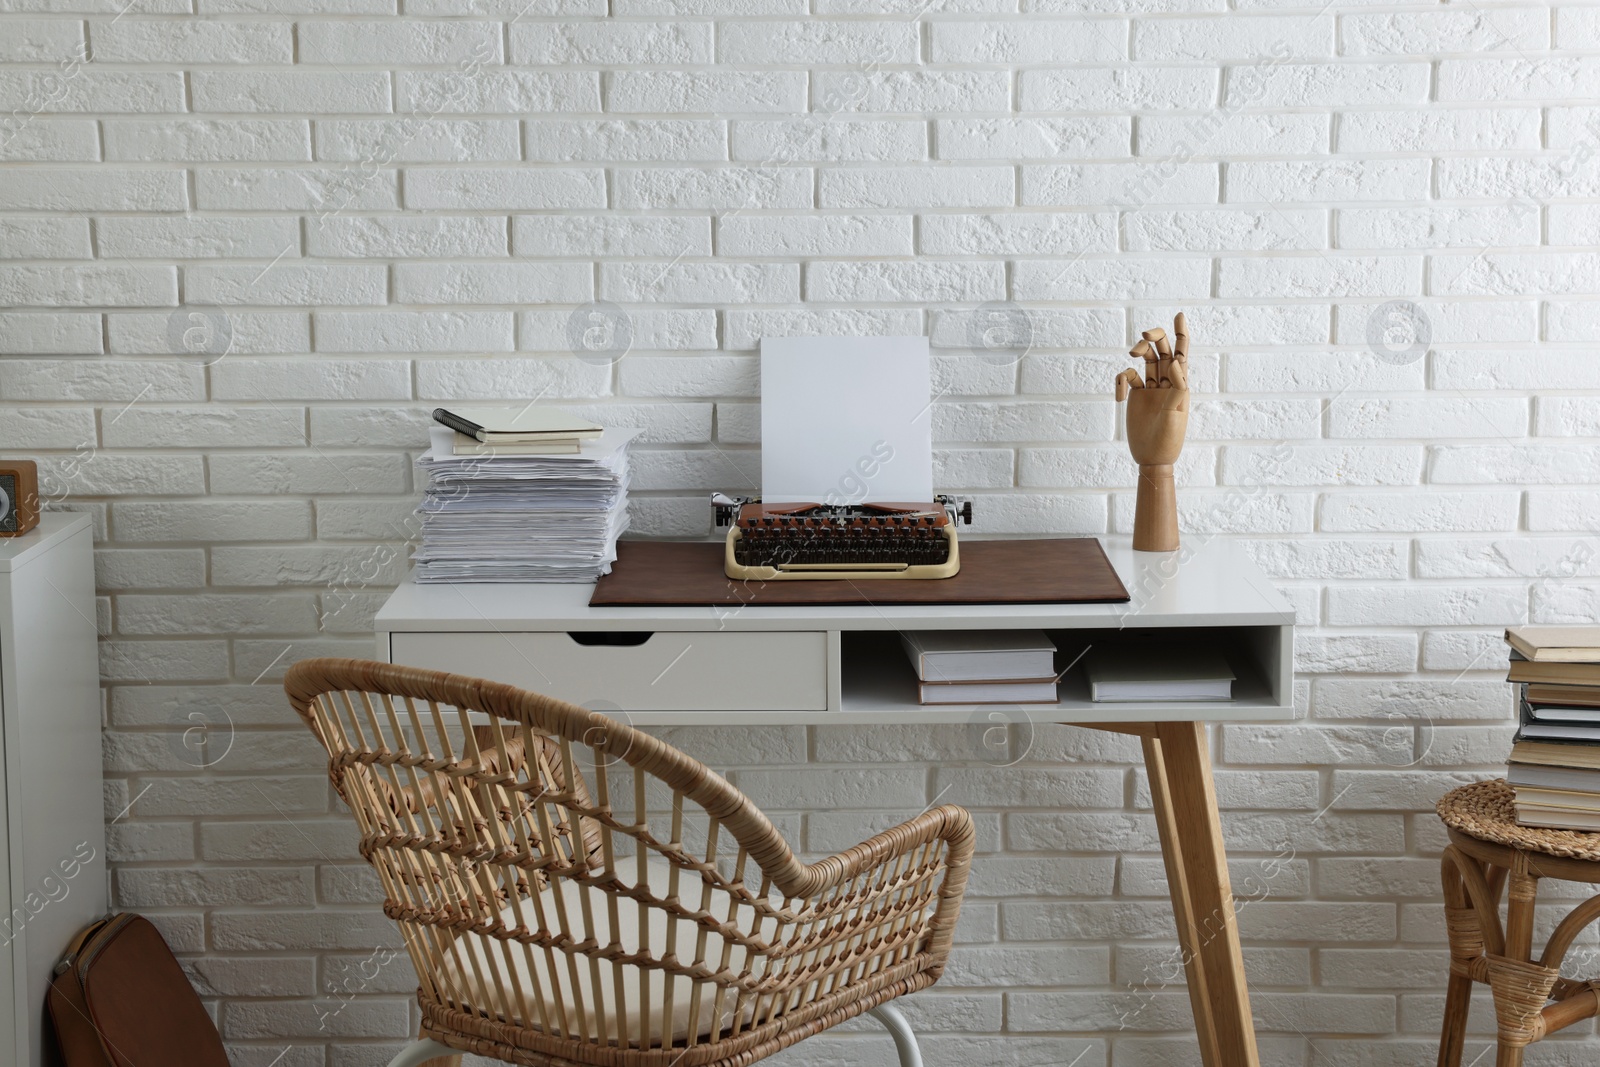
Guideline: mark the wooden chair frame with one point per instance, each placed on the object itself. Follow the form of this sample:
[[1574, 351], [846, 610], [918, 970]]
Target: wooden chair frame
[[512, 832]]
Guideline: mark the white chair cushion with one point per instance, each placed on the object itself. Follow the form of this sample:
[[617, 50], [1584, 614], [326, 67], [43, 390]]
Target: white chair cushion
[[536, 984]]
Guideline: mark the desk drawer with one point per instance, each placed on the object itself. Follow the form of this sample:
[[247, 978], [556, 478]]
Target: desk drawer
[[668, 670]]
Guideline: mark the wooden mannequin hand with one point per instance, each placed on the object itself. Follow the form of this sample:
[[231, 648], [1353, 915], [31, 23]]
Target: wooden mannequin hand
[[1158, 418], [1157, 422]]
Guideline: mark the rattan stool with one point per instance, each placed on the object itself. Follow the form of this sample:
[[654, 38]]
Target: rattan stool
[[1489, 852]]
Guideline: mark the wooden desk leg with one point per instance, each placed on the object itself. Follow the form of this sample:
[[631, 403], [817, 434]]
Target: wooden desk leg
[[1179, 765]]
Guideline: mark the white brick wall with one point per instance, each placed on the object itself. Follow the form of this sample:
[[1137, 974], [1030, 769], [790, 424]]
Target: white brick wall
[[384, 204]]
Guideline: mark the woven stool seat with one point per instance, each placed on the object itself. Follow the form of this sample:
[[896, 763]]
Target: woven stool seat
[[1491, 858], [1484, 810]]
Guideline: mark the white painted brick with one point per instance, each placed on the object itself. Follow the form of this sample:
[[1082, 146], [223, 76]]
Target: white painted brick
[[88, 286], [917, 187], [1093, 184], [815, 41], [1119, 89], [415, 139], [1436, 227], [30, 428], [1224, 231], [1029, 233], [909, 92], [191, 237], [1565, 602], [1272, 372], [1322, 180], [1239, 134], [408, 237], [658, 140], [1556, 558], [1033, 138], [826, 235], [100, 189], [1507, 29], [1563, 509], [49, 333], [505, 92], [399, 43], [690, 376], [647, 44], [102, 474], [321, 379], [157, 426], [290, 91], [506, 8], [286, 283], [1567, 416], [1176, 278], [1032, 41], [249, 332], [1023, 421], [734, 283], [420, 331], [1246, 510], [497, 379], [1506, 273], [829, 137], [325, 191], [1045, 328], [1465, 179], [925, 280], [1223, 419], [87, 89], [1511, 464], [1319, 276], [1570, 128], [515, 189], [489, 283], [725, 188], [1501, 80], [1258, 324], [1499, 417], [705, 92], [51, 140], [1108, 467], [148, 568], [1246, 37], [242, 474], [123, 380], [1355, 653], [40, 40], [547, 331], [190, 41], [545, 236], [1440, 129], [208, 140], [1434, 512], [1317, 465], [1512, 369], [744, 329]]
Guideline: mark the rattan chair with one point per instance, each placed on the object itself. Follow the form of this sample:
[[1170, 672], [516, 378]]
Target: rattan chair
[[575, 892]]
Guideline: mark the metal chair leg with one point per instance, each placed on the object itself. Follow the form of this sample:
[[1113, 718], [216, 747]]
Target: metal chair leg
[[421, 1051], [905, 1041]]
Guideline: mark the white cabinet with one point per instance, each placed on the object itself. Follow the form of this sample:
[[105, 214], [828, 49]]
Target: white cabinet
[[53, 859]]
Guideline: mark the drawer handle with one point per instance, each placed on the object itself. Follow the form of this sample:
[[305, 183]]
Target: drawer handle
[[615, 638]]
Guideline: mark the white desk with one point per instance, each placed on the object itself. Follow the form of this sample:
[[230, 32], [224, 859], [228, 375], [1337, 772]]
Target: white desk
[[822, 665]]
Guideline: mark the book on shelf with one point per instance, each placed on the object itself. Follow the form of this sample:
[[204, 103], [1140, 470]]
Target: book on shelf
[[1121, 674], [980, 656], [1007, 691], [462, 445], [1555, 713], [516, 424], [1556, 644]]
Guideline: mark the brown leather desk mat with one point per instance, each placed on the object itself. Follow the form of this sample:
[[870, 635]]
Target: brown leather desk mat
[[679, 573]]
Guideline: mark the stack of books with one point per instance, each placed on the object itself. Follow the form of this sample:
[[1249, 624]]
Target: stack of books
[[982, 666], [521, 494], [1554, 768]]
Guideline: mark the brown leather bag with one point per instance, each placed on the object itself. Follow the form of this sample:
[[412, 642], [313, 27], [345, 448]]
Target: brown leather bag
[[119, 999]]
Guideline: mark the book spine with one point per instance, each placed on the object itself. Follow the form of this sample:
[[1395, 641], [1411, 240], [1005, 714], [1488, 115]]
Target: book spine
[[458, 424]]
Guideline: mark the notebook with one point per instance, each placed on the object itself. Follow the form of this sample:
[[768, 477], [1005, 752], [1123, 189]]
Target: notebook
[[1132, 673], [503, 425], [1556, 644]]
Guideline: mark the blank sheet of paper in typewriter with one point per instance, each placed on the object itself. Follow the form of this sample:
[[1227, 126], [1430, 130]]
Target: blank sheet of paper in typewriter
[[846, 420]]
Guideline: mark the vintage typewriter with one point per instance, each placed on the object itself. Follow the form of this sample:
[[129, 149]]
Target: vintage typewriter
[[769, 542]]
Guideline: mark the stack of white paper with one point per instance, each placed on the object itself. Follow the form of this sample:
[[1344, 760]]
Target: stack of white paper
[[553, 518]]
